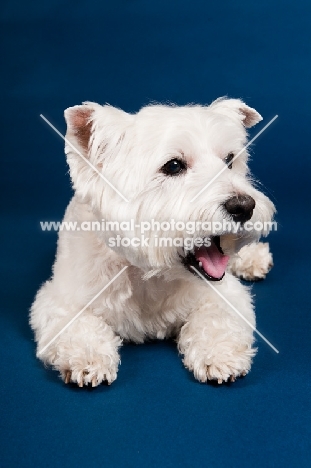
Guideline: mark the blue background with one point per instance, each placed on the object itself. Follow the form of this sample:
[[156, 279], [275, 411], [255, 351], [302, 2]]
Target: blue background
[[127, 53]]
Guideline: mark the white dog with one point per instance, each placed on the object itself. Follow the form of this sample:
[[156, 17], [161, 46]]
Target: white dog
[[159, 159]]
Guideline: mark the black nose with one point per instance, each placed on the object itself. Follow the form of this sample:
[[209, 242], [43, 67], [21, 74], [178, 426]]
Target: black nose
[[240, 208]]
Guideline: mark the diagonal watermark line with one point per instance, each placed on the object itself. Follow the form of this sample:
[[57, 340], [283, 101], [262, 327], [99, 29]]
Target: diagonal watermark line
[[235, 310], [235, 157], [84, 159], [81, 311]]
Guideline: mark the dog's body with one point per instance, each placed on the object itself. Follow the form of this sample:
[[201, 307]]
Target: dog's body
[[157, 295]]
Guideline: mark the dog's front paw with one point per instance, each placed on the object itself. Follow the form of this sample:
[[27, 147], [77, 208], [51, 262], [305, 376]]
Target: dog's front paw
[[228, 367], [89, 368], [221, 363], [86, 353], [253, 262]]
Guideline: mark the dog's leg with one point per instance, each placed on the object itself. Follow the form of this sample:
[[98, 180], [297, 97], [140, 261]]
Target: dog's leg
[[215, 341], [252, 262], [86, 352]]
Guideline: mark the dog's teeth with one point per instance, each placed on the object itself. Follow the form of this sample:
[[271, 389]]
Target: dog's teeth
[[200, 264]]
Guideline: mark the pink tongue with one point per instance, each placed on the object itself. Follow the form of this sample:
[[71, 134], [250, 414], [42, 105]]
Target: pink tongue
[[214, 262]]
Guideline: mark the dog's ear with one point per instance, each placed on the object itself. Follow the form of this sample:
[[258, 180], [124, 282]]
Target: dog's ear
[[79, 125], [236, 107], [98, 134], [91, 126]]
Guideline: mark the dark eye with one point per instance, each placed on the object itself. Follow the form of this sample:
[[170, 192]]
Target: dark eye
[[228, 160], [174, 167]]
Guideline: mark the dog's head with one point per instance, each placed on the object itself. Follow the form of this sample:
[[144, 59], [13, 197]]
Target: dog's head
[[171, 165]]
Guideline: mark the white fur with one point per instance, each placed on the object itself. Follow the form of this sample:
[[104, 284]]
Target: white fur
[[252, 262], [155, 297]]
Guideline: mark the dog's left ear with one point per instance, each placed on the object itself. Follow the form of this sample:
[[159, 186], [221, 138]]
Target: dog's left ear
[[237, 107]]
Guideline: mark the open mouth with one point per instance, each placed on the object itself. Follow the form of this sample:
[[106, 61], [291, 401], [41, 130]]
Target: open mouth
[[210, 261]]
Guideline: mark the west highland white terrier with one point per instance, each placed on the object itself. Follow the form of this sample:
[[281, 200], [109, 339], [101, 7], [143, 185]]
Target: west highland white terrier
[[163, 164]]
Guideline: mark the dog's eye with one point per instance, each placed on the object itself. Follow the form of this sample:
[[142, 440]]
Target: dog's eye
[[174, 167], [228, 160]]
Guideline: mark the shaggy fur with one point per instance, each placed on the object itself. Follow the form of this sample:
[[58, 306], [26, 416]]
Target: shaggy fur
[[156, 296]]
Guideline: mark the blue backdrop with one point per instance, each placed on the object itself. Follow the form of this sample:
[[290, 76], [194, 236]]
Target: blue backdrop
[[127, 53]]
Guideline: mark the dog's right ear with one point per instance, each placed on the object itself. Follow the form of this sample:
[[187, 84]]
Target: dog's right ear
[[79, 121], [91, 127], [98, 134]]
